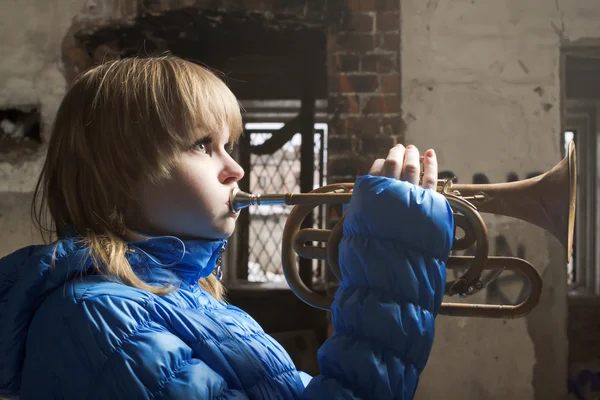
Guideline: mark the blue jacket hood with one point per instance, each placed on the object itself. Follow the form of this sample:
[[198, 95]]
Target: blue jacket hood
[[30, 274]]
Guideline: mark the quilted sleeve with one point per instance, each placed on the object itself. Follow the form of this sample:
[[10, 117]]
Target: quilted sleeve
[[397, 237]]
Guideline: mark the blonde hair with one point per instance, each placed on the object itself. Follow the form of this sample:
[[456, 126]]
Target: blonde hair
[[120, 123]]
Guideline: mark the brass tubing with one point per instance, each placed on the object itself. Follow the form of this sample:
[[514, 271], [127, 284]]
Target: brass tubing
[[517, 265], [288, 256], [239, 199], [311, 235]]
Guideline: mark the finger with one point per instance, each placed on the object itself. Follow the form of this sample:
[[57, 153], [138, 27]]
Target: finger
[[412, 166], [430, 168], [392, 166], [376, 167]]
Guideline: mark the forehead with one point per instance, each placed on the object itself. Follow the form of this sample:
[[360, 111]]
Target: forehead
[[225, 134]]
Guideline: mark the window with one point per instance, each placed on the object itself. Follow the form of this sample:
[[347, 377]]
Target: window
[[278, 172], [278, 157], [583, 268], [580, 94]]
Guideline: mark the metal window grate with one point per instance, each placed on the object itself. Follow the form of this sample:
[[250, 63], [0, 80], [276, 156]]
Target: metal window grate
[[279, 172]]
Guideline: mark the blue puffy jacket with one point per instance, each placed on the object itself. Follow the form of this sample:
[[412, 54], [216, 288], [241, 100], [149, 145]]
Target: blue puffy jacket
[[66, 333]]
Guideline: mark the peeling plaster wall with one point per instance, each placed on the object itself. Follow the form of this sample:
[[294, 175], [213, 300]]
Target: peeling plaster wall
[[31, 73], [481, 86], [31, 70]]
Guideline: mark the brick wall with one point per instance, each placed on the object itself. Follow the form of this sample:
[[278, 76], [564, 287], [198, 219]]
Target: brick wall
[[364, 87]]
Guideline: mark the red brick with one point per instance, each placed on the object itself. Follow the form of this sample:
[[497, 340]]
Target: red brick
[[353, 83], [390, 83], [358, 22], [371, 125], [370, 63], [340, 144], [383, 104], [373, 5], [360, 5], [357, 42], [345, 104], [380, 63], [378, 145], [347, 62], [348, 164], [390, 41], [388, 22]]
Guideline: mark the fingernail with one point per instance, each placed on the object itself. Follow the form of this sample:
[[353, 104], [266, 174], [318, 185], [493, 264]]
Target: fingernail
[[410, 146], [430, 153]]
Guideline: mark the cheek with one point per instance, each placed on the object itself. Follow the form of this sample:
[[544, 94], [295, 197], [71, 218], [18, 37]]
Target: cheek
[[157, 199], [193, 187], [195, 192]]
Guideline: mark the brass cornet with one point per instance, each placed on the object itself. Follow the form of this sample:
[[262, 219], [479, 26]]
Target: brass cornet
[[547, 200]]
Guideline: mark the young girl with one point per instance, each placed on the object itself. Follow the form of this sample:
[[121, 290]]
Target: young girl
[[125, 303]]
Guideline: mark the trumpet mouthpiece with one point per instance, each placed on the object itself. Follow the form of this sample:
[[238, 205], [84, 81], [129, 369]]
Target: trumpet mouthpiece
[[239, 199]]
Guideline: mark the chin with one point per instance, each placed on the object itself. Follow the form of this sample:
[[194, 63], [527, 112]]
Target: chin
[[225, 231]]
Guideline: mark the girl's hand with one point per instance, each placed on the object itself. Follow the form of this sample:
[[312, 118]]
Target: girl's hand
[[404, 163]]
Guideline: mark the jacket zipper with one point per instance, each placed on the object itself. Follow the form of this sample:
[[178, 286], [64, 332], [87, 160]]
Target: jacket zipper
[[219, 268]]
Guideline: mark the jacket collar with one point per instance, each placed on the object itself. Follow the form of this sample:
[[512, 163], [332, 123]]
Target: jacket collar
[[157, 258], [190, 260]]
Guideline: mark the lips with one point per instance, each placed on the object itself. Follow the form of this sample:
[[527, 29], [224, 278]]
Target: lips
[[228, 204]]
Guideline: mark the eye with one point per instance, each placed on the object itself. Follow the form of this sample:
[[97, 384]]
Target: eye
[[229, 148], [202, 144]]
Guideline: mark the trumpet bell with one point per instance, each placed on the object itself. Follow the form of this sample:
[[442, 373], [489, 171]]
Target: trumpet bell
[[547, 201]]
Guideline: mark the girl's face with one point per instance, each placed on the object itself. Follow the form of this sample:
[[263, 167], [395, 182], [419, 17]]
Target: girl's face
[[194, 201]]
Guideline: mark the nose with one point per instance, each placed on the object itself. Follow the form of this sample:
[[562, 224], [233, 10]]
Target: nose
[[232, 171]]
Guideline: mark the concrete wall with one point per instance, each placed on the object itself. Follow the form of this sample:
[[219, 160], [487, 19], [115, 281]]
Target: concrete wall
[[481, 86], [32, 32]]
